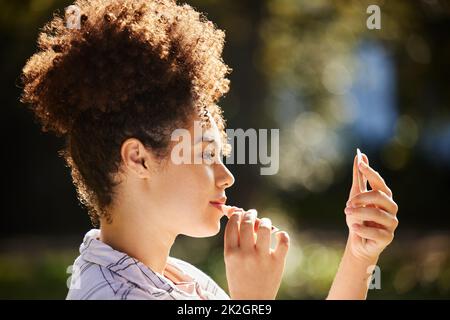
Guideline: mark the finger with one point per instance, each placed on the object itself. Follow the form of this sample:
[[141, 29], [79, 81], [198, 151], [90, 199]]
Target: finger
[[375, 180], [246, 234], [256, 225], [355, 184], [365, 160], [355, 188], [373, 224], [374, 197], [258, 221], [282, 245], [361, 181], [231, 240], [379, 216], [233, 210], [263, 235], [373, 233], [355, 172], [228, 210]]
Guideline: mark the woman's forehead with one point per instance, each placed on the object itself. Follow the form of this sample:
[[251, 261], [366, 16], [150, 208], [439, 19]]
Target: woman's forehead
[[212, 132]]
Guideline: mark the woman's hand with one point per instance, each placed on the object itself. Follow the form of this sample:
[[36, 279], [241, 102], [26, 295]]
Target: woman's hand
[[371, 215], [253, 269]]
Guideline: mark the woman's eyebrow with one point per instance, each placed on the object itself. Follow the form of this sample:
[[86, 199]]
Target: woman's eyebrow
[[209, 138], [206, 138]]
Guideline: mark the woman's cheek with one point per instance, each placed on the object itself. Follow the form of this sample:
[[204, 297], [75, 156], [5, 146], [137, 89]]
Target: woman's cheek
[[203, 176]]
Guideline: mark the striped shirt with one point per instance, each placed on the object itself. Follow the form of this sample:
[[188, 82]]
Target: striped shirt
[[100, 272]]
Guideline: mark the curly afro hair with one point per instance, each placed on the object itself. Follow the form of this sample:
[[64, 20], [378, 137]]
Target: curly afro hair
[[131, 68]]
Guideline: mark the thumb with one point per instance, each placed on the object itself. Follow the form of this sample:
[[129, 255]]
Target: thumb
[[355, 190], [282, 244]]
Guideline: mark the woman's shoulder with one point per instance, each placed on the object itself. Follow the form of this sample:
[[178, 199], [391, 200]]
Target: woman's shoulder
[[91, 281]]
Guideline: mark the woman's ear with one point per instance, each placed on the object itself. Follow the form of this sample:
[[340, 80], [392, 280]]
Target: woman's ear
[[135, 157]]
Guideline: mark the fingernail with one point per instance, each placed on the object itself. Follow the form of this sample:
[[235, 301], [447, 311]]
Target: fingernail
[[283, 235], [227, 210], [348, 210], [253, 213], [234, 214], [265, 222], [248, 216], [363, 165]]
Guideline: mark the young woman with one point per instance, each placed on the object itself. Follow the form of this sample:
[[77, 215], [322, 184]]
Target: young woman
[[116, 82]]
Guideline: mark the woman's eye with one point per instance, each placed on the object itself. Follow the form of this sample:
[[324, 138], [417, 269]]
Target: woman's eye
[[209, 154]]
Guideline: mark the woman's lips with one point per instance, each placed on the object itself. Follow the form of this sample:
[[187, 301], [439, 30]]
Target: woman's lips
[[228, 210], [218, 205]]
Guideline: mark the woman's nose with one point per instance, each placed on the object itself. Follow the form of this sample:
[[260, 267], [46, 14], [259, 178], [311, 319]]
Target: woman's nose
[[225, 178]]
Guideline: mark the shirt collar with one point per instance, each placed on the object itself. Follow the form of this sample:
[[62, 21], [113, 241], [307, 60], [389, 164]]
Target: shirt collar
[[96, 251]]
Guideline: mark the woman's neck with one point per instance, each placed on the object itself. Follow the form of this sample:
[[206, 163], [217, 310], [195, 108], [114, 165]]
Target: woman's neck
[[140, 236]]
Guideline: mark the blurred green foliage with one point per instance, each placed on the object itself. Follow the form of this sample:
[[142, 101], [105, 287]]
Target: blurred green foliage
[[40, 275], [413, 267], [423, 273]]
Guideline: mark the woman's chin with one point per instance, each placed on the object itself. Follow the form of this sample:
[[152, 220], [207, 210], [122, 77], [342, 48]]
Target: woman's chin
[[208, 230]]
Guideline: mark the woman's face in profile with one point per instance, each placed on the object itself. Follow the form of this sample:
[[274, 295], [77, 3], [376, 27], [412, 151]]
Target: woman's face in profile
[[183, 192]]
